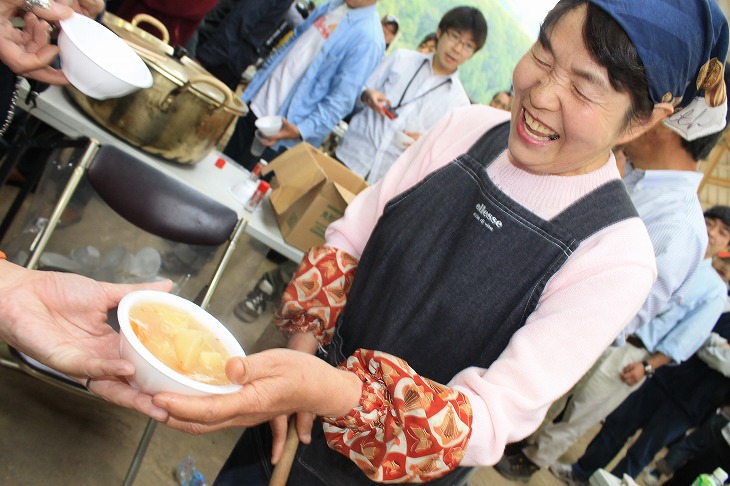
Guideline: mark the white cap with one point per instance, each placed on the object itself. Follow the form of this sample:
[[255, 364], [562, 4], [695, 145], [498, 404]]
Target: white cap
[[720, 474]]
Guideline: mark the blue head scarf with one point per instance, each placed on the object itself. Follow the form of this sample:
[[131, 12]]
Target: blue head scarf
[[683, 45]]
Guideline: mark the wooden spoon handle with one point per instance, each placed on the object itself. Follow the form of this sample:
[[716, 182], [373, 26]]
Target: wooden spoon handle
[[283, 467]]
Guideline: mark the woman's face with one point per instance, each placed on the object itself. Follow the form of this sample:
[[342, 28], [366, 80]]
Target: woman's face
[[565, 114]]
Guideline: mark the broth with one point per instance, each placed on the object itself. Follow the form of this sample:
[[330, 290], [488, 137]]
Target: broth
[[180, 342]]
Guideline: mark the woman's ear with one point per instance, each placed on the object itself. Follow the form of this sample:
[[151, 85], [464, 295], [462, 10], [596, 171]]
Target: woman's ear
[[639, 127]]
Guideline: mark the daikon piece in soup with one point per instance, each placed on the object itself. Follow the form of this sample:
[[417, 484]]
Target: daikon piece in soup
[[182, 343]]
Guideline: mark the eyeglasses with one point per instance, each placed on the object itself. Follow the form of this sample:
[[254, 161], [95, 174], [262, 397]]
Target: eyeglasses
[[469, 47]]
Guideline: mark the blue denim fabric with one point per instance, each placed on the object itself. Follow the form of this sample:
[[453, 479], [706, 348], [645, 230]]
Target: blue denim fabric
[[697, 442], [315, 465], [649, 409], [459, 268], [665, 407], [250, 461], [716, 453]]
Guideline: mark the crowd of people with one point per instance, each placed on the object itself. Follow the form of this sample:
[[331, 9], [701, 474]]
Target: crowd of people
[[514, 276]]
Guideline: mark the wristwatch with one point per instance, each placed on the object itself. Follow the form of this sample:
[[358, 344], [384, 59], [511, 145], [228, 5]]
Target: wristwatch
[[648, 369]]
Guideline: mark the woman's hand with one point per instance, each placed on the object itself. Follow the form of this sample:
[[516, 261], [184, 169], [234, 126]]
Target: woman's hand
[[306, 343], [116, 390], [55, 10], [28, 52], [275, 382], [280, 430], [414, 135]]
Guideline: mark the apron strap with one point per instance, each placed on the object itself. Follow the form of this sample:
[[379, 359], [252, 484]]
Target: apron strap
[[607, 205], [492, 143]]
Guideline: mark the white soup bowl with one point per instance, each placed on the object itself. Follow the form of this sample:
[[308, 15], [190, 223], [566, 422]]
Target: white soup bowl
[[98, 62], [152, 375]]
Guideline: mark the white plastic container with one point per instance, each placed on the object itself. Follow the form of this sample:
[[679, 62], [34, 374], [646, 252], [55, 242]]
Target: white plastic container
[[269, 125]]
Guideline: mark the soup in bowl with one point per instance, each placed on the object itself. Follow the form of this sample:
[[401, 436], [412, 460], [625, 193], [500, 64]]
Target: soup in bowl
[[175, 345]]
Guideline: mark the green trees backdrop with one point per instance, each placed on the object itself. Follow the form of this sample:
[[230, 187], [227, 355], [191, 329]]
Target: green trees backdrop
[[490, 70]]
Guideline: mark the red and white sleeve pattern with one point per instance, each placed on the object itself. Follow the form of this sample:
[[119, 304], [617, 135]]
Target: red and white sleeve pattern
[[406, 428], [317, 293]]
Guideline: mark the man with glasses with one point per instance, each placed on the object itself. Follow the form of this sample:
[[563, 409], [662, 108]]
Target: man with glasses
[[408, 93]]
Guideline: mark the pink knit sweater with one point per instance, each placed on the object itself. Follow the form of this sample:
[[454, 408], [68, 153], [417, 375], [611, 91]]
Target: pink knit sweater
[[584, 306]]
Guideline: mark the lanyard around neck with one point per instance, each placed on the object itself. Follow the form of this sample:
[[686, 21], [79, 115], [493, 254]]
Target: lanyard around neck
[[401, 103]]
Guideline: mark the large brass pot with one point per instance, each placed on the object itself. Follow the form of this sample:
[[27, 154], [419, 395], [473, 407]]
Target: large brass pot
[[181, 117]]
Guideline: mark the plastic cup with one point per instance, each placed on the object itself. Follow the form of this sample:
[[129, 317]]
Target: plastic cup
[[269, 125], [151, 375], [257, 148]]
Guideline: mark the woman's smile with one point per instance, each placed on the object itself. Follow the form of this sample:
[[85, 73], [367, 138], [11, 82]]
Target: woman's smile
[[535, 129], [566, 115]]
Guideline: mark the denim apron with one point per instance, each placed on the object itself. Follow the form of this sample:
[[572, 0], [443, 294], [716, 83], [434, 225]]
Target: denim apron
[[451, 271]]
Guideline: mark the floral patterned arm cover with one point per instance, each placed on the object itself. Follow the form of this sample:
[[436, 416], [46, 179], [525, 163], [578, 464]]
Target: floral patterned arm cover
[[406, 428], [317, 293]]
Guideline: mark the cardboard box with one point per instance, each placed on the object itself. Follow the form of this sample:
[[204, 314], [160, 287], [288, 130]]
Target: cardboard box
[[309, 191]]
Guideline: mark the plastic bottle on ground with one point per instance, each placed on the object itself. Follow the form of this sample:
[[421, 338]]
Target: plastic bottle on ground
[[188, 474], [717, 478]]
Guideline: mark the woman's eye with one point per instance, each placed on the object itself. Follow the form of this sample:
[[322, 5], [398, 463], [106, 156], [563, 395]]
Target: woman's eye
[[579, 93], [540, 61]]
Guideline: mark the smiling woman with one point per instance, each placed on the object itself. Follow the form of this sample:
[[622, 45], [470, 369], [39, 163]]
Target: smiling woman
[[484, 274], [571, 108]]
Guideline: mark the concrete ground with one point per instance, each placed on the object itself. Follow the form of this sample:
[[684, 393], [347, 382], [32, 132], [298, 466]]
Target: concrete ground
[[49, 436]]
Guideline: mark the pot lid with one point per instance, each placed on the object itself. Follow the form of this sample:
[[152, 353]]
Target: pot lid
[[173, 62]]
